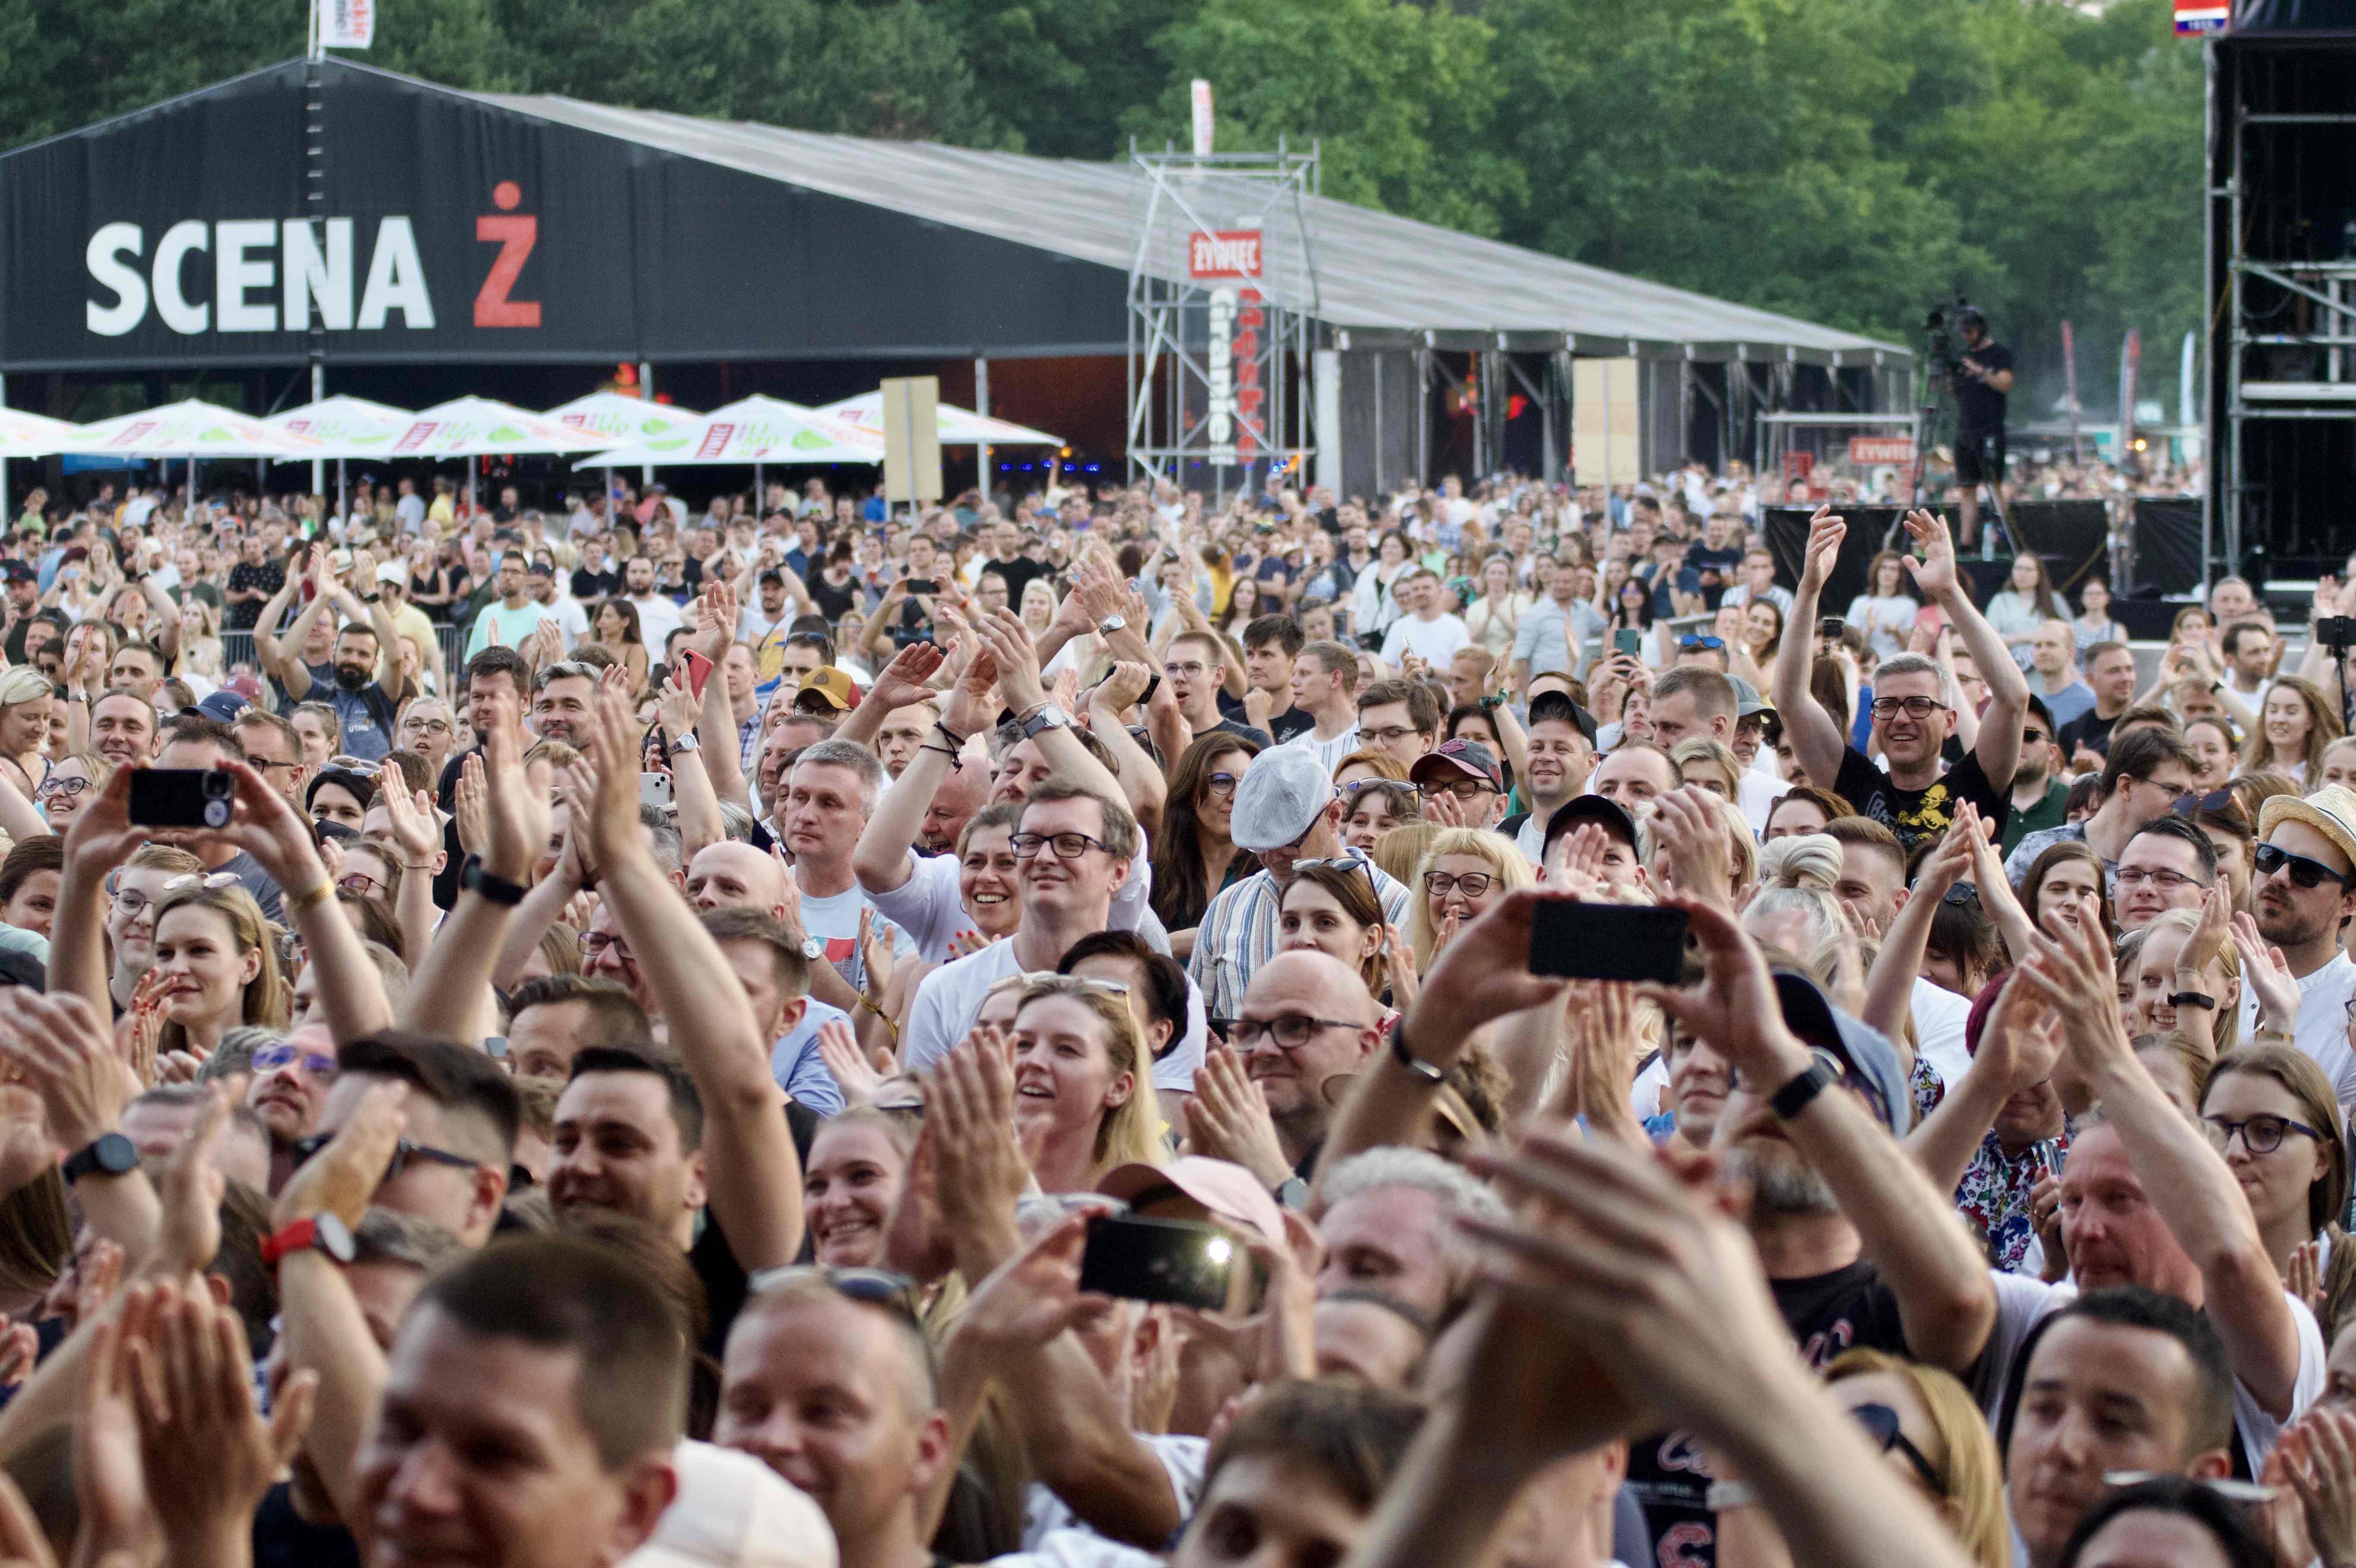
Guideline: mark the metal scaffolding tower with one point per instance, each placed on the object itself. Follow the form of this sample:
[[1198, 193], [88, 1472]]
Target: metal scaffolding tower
[[1222, 298]]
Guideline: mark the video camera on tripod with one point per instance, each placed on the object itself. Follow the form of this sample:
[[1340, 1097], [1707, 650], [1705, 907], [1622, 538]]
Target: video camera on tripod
[[1943, 358]]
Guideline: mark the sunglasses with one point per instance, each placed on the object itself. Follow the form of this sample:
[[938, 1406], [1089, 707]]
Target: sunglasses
[[2188, 804], [271, 1058], [1880, 1424], [403, 1153], [1696, 640], [2304, 872], [895, 1293]]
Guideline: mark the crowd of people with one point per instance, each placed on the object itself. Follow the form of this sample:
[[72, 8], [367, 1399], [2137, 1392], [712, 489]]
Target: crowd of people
[[652, 1088]]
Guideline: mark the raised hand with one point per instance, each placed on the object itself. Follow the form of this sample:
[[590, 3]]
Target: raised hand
[[1228, 1118], [61, 1050], [467, 806], [904, 680], [1399, 967], [1692, 835], [1034, 1296], [1825, 532], [341, 1178], [874, 955], [1008, 644], [856, 1076], [677, 706], [410, 818], [980, 1169], [1934, 575], [191, 1190], [195, 1396], [1736, 1008]]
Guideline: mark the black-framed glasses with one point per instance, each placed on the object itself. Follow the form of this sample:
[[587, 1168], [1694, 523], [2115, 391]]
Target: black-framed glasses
[[1915, 707], [593, 943], [2261, 1134], [2305, 870], [1290, 1031], [54, 785], [1391, 735], [403, 1153], [1701, 640], [1881, 1423], [1223, 783], [1473, 884], [1066, 846], [263, 764], [2165, 880]]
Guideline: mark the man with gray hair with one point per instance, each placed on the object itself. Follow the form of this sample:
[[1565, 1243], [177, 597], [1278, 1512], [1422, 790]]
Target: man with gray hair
[[1390, 1225], [827, 798]]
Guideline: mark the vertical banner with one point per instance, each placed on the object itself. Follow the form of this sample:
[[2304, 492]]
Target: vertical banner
[[1230, 257], [347, 24], [1202, 117], [1606, 422], [912, 439]]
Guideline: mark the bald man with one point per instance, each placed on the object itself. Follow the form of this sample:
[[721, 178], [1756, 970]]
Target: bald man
[[955, 801], [1306, 1018], [733, 875]]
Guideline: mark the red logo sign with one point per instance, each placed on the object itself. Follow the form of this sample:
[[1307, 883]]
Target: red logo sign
[[515, 233], [1229, 253], [715, 441], [1867, 450]]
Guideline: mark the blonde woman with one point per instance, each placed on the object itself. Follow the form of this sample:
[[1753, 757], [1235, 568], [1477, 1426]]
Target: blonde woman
[[26, 700], [216, 964], [1708, 764], [2184, 950], [1794, 908], [2293, 728], [1465, 872], [1083, 1081], [200, 644]]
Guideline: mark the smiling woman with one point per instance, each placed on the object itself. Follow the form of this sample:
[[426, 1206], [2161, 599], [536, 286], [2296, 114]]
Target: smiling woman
[[858, 1167], [1083, 1081], [218, 969]]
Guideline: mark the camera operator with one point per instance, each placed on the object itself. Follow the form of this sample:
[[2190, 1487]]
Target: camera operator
[[1983, 376]]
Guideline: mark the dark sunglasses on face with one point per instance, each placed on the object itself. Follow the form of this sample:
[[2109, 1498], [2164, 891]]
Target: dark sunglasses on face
[[403, 1153], [2304, 872], [1880, 1424], [2188, 804]]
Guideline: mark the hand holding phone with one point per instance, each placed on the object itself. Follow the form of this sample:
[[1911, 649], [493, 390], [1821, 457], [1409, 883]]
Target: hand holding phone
[[1182, 1262], [1608, 942]]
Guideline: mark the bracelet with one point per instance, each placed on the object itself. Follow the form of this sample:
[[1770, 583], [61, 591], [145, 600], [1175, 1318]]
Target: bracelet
[[297, 903], [2192, 999], [956, 763], [957, 741]]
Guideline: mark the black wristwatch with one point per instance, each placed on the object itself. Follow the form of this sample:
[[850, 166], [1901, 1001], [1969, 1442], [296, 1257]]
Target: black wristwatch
[[1420, 1070], [109, 1154], [496, 889], [1794, 1097]]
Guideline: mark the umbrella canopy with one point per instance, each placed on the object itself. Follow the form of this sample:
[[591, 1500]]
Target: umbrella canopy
[[959, 427], [345, 426], [477, 427], [189, 429], [23, 434], [622, 418], [748, 431]]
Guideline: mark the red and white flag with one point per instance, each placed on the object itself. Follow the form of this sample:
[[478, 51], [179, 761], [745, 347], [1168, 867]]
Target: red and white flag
[[347, 24]]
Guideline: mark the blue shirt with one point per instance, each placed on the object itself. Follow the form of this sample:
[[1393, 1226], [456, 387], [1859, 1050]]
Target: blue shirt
[[799, 1068]]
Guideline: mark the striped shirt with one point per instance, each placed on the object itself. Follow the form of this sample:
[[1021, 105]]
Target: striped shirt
[[1239, 931]]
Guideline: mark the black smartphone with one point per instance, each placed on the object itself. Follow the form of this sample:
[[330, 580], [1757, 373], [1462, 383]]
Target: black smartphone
[[2336, 631], [1608, 942], [1629, 641], [1182, 1261], [923, 585], [180, 797], [1831, 627]]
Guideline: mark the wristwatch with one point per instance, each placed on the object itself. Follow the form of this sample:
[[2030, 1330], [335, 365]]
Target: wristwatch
[[1795, 1097], [1293, 1193], [496, 889], [1049, 717], [685, 744], [1112, 624], [109, 1154], [321, 1232], [813, 948], [1422, 1071]]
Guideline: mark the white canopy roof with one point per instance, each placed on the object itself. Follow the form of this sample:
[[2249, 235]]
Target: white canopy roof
[[959, 427], [189, 429], [750, 430]]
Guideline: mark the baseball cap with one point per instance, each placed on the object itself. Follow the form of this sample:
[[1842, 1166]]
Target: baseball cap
[[17, 571], [391, 571], [2330, 810], [223, 705], [246, 686], [1596, 808], [1746, 700], [829, 688], [538, 569], [1551, 705], [1862, 1053], [1453, 760], [734, 1511], [1282, 792], [1227, 1191]]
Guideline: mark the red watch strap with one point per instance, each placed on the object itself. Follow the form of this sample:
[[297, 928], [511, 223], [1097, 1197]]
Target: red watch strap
[[293, 1239]]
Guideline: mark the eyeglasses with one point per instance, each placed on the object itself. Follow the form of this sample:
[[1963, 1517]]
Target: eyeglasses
[[360, 882], [2189, 803], [1066, 846], [1881, 1425], [593, 943], [2304, 872], [1962, 895], [1473, 884], [271, 1058], [403, 1153], [1696, 640], [1407, 792], [2261, 1134], [1290, 1031], [1916, 707], [1222, 783], [263, 764], [895, 1293], [54, 785], [2167, 881], [430, 726]]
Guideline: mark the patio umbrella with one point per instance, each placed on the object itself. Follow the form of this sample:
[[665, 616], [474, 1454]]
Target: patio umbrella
[[958, 427]]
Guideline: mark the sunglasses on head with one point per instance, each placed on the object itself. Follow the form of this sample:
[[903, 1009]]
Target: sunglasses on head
[[1696, 640], [2189, 803]]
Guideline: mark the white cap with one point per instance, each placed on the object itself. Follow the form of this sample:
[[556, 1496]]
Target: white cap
[[734, 1511], [1279, 800], [391, 571]]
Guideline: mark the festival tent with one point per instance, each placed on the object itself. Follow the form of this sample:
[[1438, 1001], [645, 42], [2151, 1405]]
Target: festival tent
[[26, 435], [345, 426], [958, 427], [479, 427], [755, 430], [187, 429], [621, 418]]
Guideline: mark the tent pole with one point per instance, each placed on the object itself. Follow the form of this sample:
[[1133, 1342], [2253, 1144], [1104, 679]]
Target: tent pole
[[760, 495], [318, 391], [981, 407], [645, 390], [3, 462], [343, 491]]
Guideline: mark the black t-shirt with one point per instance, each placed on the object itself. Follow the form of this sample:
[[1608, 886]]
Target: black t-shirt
[[833, 602], [590, 586], [283, 1538], [1017, 573], [2089, 730], [724, 1282], [266, 579], [1725, 562], [1292, 721], [1918, 813], [1238, 727], [1849, 1309], [1979, 408]]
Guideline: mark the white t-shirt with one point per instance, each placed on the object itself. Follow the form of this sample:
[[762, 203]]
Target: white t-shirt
[[1757, 792], [930, 907], [1045, 1513], [1939, 1018], [570, 617], [835, 921], [2321, 1029], [1329, 753], [951, 997], [658, 618], [1434, 642]]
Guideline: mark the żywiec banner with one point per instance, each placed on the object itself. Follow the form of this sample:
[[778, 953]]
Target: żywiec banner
[[347, 24]]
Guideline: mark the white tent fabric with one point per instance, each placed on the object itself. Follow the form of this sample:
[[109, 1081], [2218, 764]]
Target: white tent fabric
[[345, 426], [620, 417], [958, 427], [480, 427], [749, 430], [27, 435], [188, 429]]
